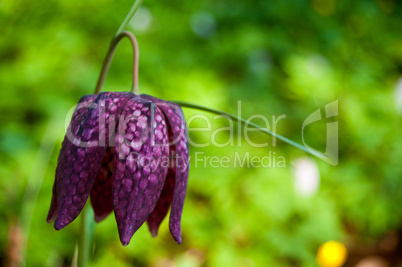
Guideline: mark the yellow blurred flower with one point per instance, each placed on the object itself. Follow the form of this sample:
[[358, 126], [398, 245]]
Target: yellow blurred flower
[[331, 254]]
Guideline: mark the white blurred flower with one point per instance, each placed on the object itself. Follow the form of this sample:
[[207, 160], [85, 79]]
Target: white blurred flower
[[259, 62], [142, 20], [372, 261], [398, 96], [307, 176], [203, 24]]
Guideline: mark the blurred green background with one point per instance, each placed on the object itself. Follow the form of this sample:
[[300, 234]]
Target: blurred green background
[[277, 57]]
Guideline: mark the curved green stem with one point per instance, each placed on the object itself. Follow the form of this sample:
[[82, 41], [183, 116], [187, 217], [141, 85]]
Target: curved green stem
[[113, 45], [129, 16], [108, 60], [243, 121]]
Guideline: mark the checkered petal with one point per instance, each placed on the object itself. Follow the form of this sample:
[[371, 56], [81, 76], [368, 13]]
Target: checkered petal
[[139, 169], [81, 155], [179, 139]]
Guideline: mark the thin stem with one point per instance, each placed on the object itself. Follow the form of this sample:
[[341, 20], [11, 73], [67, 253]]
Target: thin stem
[[243, 121], [86, 236], [129, 16], [108, 60]]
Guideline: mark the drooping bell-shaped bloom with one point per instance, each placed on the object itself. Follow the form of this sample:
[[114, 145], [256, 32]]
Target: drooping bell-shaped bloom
[[129, 154]]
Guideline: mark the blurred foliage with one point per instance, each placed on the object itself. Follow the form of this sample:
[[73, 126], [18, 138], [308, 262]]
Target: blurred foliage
[[277, 57]]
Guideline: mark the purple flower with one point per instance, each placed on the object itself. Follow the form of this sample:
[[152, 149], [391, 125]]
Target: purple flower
[[130, 154]]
